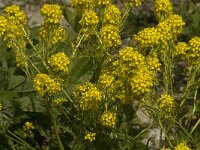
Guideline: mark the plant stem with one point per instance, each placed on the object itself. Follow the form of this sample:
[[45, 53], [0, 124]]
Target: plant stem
[[55, 127]]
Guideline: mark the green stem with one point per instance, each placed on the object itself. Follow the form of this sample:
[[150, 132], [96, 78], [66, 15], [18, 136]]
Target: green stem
[[195, 126], [68, 97], [79, 40], [55, 128], [168, 139], [20, 142]]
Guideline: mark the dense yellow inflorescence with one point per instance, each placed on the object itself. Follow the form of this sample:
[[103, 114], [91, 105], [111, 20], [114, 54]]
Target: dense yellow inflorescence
[[89, 21], [166, 102], [128, 60], [3, 23], [50, 30], [110, 36], [112, 15], [15, 14], [182, 146], [148, 37], [170, 28], [51, 13], [80, 5], [108, 119], [106, 80], [142, 81], [44, 84], [181, 49], [59, 63], [88, 95], [194, 47], [133, 3], [153, 63], [21, 58], [90, 136], [163, 9], [12, 25], [103, 2]]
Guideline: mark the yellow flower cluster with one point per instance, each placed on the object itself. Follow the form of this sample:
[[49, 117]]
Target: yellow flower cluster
[[110, 36], [148, 37], [103, 2], [3, 23], [58, 35], [194, 47], [128, 60], [90, 136], [89, 96], [11, 26], [142, 81], [50, 30], [163, 9], [82, 4], [166, 102], [1, 106], [182, 146], [133, 3], [15, 14], [112, 15], [28, 126], [171, 27], [165, 31], [58, 101], [153, 63], [21, 58], [106, 80], [59, 63], [108, 119], [89, 20], [51, 13], [44, 84], [181, 49]]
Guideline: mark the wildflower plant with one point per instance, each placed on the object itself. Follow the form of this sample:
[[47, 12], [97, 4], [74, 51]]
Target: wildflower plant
[[89, 86]]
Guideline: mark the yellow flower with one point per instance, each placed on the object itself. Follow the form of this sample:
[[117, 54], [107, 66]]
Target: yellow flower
[[1, 106], [148, 37], [108, 119], [133, 3], [90, 136], [21, 58], [59, 63], [142, 81], [163, 9], [44, 84], [106, 80], [153, 63], [3, 23], [103, 2], [110, 36], [181, 49], [81, 5], [28, 126], [112, 15], [128, 60], [166, 102], [52, 13], [194, 47], [15, 14], [170, 28], [182, 146], [89, 21], [58, 101], [88, 95]]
